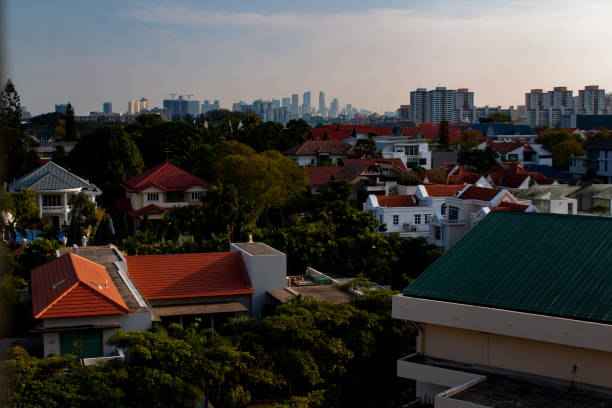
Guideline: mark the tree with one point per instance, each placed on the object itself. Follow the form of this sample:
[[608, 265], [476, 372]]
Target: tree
[[496, 117], [228, 213], [409, 179], [435, 176], [83, 220], [297, 131], [59, 156], [107, 157], [469, 139], [10, 106], [443, 134], [366, 148], [17, 154], [70, 131], [552, 137], [562, 152], [23, 207], [481, 160], [266, 136]]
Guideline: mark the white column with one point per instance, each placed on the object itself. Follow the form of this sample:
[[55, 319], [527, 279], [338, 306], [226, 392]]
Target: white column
[[40, 205], [65, 198]]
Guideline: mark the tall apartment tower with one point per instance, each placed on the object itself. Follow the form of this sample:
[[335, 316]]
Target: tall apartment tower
[[138, 106], [334, 108], [560, 98], [295, 105], [418, 105], [592, 100], [306, 104], [463, 105], [322, 107], [286, 103], [107, 107]]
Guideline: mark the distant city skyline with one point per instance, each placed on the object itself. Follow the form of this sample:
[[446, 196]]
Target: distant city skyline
[[90, 53]]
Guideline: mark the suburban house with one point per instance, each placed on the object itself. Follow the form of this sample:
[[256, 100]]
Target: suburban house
[[320, 152], [55, 186], [455, 174], [512, 175], [160, 189], [409, 215], [458, 214], [597, 162], [522, 152], [516, 314], [595, 195], [82, 297], [411, 152]]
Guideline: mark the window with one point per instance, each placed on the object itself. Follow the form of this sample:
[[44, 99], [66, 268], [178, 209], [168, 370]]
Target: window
[[570, 208], [175, 197], [427, 218], [381, 219], [443, 209], [395, 219], [152, 196], [437, 233], [51, 200], [196, 195], [417, 218], [453, 213]]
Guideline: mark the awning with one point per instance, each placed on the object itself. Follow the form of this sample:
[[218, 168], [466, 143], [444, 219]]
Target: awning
[[211, 308]]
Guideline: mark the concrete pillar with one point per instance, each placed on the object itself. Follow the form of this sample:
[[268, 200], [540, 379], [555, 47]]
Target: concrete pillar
[[40, 205], [65, 203]]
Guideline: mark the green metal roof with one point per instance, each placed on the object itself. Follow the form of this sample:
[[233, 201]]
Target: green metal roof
[[551, 264]]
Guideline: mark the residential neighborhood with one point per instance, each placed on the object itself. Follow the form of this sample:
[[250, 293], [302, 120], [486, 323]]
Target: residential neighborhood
[[305, 204]]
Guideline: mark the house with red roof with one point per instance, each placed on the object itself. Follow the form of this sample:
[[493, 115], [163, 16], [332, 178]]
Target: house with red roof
[[161, 188], [81, 298], [513, 176], [86, 294], [410, 214], [523, 152], [459, 213], [320, 152]]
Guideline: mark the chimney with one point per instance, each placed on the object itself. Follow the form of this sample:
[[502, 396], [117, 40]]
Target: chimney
[[75, 249]]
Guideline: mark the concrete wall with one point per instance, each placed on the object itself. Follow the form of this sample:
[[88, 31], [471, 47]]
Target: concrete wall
[[267, 272], [51, 344], [516, 354]]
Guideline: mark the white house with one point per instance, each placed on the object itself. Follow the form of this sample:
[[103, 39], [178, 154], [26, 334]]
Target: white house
[[55, 186], [459, 214], [551, 199], [160, 189], [320, 152], [522, 152], [409, 215]]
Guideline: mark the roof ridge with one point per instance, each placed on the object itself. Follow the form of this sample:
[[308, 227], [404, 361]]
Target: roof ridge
[[57, 299]]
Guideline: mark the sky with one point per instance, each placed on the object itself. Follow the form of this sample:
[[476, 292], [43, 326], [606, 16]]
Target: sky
[[370, 54]]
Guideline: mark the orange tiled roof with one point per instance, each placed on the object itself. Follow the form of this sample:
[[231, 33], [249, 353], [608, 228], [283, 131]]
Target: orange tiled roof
[[478, 193], [167, 177], [397, 201], [71, 286], [189, 275], [442, 190]]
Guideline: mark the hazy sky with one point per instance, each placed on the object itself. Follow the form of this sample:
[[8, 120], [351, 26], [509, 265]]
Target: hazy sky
[[370, 54]]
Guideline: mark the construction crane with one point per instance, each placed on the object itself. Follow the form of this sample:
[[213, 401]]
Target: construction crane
[[173, 94], [188, 96]]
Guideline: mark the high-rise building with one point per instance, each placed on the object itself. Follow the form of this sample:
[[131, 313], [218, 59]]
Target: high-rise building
[[176, 107], [193, 108], [592, 100], [306, 104], [295, 105], [60, 108], [207, 106], [286, 103], [334, 108], [403, 113], [107, 107], [440, 104], [322, 107], [280, 115], [418, 105], [276, 103], [546, 109], [263, 109], [138, 106]]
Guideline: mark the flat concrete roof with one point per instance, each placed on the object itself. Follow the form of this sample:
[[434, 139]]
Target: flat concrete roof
[[257, 248], [324, 293]]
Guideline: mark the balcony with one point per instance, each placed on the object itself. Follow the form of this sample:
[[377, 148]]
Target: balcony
[[53, 209]]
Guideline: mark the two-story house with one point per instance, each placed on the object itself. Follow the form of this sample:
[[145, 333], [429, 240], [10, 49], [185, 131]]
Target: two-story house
[[320, 152], [160, 189], [460, 213], [597, 162], [55, 186], [522, 152]]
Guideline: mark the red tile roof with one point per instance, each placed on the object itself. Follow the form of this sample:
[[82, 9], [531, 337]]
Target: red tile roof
[[441, 190], [71, 286], [512, 174], [478, 193], [429, 133], [397, 201], [397, 163], [189, 275], [313, 147], [506, 206], [506, 147], [410, 131], [319, 176], [454, 135], [165, 176], [147, 209]]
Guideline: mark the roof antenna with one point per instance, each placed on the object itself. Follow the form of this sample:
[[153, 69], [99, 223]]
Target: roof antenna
[[166, 150]]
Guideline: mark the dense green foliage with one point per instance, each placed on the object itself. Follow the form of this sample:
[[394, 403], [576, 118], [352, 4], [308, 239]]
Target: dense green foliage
[[481, 160], [308, 353]]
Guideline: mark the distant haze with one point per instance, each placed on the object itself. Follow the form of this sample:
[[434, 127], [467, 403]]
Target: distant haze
[[90, 52]]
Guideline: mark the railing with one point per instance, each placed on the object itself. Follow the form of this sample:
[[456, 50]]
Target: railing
[[53, 208]]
